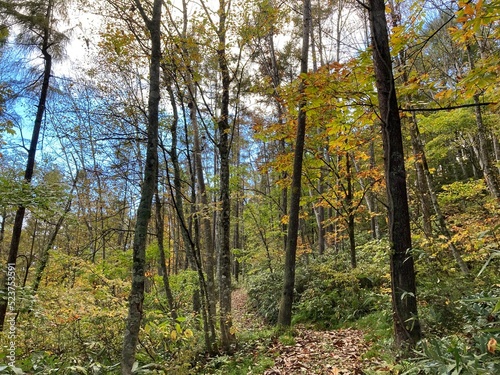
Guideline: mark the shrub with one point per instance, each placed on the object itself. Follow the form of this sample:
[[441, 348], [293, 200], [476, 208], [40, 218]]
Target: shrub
[[264, 292]]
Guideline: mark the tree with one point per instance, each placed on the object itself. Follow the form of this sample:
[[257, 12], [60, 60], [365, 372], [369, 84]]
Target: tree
[[427, 191], [403, 285], [136, 298], [38, 21], [224, 146], [186, 67], [285, 312]]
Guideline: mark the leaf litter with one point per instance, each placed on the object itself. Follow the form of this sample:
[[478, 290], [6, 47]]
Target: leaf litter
[[311, 352]]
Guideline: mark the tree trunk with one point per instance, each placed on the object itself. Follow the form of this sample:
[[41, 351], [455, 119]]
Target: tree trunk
[[423, 192], [160, 222], [208, 242], [430, 192], [224, 129], [148, 188], [350, 212], [489, 172], [201, 299], [285, 311], [237, 243], [44, 259], [370, 199], [206, 223], [276, 80], [30, 165], [2, 229], [404, 302]]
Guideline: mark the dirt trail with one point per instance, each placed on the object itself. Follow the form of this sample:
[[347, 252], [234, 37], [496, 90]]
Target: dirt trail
[[313, 352]]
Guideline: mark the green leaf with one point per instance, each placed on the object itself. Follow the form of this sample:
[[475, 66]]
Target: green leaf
[[496, 308]]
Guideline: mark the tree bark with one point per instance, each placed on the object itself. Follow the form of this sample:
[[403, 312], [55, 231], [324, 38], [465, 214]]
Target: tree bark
[[208, 242], [148, 188], [2, 229], [350, 212], [160, 222], [423, 193], [403, 286], [30, 165], [430, 192], [489, 172], [201, 299], [224, 129], [285, 311]]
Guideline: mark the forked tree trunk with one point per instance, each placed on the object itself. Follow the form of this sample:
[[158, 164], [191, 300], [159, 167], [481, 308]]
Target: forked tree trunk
[[404, 302]]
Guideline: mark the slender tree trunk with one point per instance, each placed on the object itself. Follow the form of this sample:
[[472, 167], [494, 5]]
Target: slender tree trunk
[[489, 172], [30, 165], [224, 146], [237, 207], [44, 259], [285, 311], [2, 229], [319, 215], [430, 191], [370, 196], [206, 223], [276, 80], [207, 245], [423, 192], [403, 286], [496, 151], [160, 223], [350, 212], [201, 299], [148, 188]]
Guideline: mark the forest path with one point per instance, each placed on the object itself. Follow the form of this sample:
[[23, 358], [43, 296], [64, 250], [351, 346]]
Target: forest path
[[312, 352]]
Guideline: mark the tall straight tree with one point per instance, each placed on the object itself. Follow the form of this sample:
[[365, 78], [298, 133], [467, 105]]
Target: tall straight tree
[[136, 298], [37, 20], [404, 302], [224, 146], [285, 311]]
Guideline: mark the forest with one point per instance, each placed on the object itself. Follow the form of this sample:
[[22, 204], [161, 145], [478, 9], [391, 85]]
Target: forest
[[250, 187]]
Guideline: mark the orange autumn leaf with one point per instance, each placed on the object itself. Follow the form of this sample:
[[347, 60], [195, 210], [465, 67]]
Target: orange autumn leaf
[[492, 345]]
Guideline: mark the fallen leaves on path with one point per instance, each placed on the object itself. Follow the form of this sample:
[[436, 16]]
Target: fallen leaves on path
[[320, 352], [313, 352], [243, 317]]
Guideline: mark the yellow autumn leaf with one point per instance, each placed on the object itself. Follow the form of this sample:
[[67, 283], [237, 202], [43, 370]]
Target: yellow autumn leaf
[[188, 333], [173, 335], [232, 330]]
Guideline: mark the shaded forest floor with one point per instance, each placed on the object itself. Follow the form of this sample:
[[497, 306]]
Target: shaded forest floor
[[303, 351]]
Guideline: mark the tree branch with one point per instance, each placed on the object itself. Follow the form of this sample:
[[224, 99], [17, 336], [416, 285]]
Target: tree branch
[[446, 108]]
